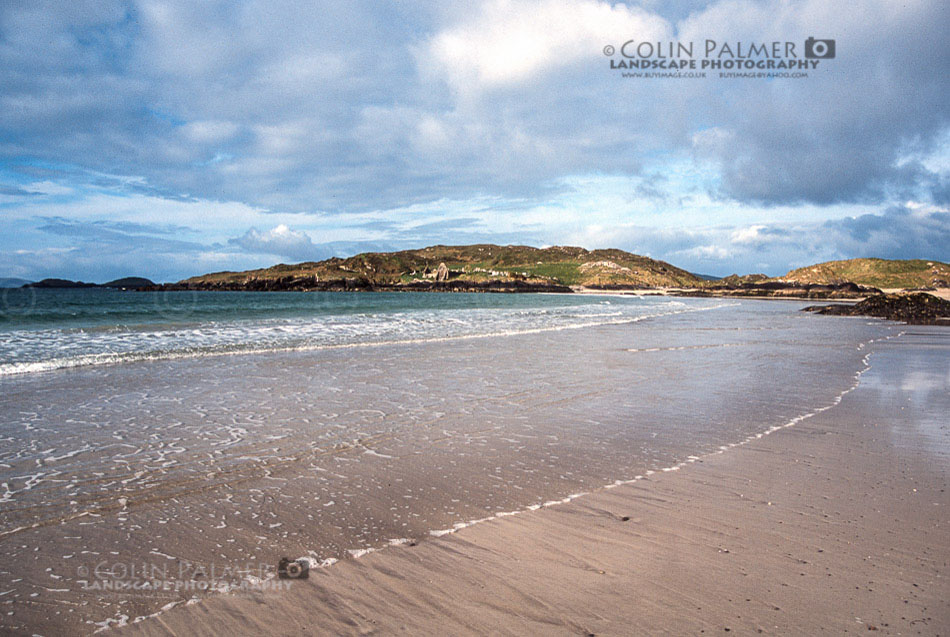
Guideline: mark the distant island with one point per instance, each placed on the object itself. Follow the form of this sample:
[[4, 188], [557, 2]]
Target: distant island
[[126, 283], [483, 267], [493, 268]]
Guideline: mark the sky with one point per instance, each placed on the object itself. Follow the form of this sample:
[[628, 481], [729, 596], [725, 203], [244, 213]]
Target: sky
[[165, 139]]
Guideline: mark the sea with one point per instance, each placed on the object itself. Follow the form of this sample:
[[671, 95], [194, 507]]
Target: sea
[[51, 329], [158, 447]]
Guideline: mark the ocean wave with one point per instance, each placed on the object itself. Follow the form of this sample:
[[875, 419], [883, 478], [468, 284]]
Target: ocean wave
[[37, 351]]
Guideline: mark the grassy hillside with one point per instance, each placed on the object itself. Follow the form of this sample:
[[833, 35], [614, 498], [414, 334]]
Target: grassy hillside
[[879, 273], [559, 264]]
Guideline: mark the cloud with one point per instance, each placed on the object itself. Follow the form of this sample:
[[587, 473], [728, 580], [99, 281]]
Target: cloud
[[323, 116], [913, 231], [503, 42], [209, 132], [457, 224], [14, 193], [753, 235], [74, 227], [121, 236], [850, 130], [901, 232], [758, 236], [281, 241], [102, 250], [322, 107]]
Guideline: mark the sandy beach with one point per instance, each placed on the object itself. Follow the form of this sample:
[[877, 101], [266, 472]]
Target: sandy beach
[[534, 317], [835, 524]]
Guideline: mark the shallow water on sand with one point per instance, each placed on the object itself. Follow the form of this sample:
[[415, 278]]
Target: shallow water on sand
[[915, 370], [229, 462]]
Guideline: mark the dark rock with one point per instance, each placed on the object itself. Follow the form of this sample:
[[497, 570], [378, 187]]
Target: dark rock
[[129, 283], [619, 287], [359, 284], [478, 286], [916, 309], [786, 289], [60, 283]]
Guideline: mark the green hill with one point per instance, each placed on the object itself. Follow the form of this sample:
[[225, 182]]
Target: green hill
[[879, 273], [475, 263]]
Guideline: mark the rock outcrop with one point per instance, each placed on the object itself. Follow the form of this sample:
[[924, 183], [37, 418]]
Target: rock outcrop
[[916, 309], [786, 289], [442, 273], [359, 284]]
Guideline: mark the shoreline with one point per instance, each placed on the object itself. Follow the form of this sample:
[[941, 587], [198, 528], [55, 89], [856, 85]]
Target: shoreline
[[662, 552], [942, 293], [519, 287], [101, 360]]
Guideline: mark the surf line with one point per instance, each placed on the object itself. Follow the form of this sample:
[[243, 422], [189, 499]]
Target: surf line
[[117, 358]]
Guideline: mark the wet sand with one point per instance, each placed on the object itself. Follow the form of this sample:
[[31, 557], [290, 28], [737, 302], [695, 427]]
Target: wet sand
[[838, 523], [119, 477]]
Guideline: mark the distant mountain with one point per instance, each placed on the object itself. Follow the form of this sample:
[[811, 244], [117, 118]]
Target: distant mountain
[[465, 267], [11, 282], [129, 283], [879, 273]]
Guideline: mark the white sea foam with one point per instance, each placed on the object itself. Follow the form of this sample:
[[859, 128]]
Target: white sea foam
[[37, 351]]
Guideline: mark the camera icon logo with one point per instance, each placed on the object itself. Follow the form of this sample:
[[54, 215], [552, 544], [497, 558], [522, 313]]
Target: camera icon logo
[[293, 569], [819, 49]]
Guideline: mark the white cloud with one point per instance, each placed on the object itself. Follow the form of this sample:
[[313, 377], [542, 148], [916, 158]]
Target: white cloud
[[280, 241], [49, 188], [708, 253], [209, 131], [751, 235], [505, 42]]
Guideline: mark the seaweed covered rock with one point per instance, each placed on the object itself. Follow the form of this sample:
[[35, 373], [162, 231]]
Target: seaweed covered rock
[[917, 309]]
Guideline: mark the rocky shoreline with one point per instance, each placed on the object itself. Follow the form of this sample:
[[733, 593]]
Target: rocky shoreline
[[312, 284], [918, 308], [771, 289], [787, 289]]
